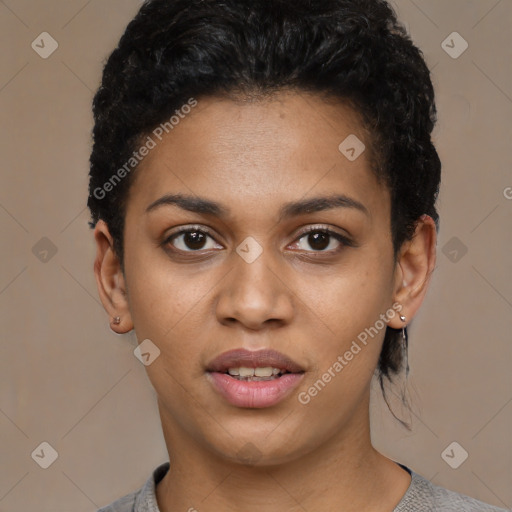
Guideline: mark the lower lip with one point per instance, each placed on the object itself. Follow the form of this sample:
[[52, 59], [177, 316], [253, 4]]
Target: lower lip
[[255, 394]]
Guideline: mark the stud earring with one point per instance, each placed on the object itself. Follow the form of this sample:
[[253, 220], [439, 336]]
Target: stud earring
[[405, 345], [116, 320]]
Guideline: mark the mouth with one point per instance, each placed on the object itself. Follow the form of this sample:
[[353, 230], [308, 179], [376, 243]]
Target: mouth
[[260, 373], [254, 365], [254, 379]]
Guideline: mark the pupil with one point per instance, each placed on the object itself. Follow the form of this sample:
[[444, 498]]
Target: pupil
[[192, 240], [318, 238]]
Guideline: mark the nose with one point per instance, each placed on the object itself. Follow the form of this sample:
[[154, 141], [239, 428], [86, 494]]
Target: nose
[[255, 294]]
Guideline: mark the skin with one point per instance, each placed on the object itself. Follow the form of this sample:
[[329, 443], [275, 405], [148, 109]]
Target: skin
[[306, 302]]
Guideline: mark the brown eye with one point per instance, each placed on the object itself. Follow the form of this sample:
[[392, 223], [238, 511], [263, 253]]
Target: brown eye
[[321, 240], [318, 241], [191, 240], [194, 240]]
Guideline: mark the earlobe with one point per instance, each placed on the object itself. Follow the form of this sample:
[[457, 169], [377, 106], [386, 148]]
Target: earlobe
[[110, 281], [415, 265]]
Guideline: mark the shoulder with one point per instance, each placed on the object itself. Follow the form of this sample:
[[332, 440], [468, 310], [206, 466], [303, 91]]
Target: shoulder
[[424, 496], [143, 499], [124, 504]]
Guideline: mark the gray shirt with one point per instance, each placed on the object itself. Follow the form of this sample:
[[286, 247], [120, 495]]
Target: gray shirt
[[421, 496]]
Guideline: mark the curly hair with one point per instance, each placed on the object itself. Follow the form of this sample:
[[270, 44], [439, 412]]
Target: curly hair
[[352, 50]]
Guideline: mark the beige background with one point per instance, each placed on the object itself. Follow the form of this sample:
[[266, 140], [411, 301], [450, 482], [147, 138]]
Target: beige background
[[68, 380]]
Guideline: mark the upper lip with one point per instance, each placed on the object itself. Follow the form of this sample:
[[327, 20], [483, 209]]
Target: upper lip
[[253, 359]]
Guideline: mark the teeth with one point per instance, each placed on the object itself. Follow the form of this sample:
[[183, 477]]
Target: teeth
[[263, 372], [246, 372], [253, 379], [266, 371]]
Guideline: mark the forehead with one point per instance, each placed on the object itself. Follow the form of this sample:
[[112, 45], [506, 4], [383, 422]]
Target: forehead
[[286, 146]]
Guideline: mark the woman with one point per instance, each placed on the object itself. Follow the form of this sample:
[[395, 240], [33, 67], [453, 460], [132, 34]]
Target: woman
[[262, 190]]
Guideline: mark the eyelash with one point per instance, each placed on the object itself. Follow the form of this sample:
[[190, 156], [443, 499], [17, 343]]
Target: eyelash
[[310, 229]]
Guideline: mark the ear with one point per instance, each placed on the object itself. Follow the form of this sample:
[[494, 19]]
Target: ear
[[110, 280], [416, 262]]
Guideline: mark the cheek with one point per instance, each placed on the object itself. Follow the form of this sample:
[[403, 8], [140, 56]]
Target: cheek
[[163, 305], [353, 298], [347, 355], [157, 296], [348, 333], [166, 310], [171, 305]]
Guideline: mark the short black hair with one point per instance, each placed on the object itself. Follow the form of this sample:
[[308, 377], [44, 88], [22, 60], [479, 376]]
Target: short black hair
[[352, 50]]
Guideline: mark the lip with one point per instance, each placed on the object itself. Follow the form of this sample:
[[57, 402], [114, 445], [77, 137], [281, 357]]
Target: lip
[[257, 394], [253, 394], [253, 359]]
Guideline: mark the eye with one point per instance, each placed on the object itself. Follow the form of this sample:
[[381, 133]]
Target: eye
[[319, 238], [322, 239], [192, 239]]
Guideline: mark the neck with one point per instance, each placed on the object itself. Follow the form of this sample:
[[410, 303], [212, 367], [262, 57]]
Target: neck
[[345, 474]]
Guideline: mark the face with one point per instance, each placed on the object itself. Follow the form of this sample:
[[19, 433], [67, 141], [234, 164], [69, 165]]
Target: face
[[247, 273]]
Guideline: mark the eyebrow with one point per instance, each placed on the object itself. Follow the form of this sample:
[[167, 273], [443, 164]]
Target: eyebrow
[[208, 207]]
